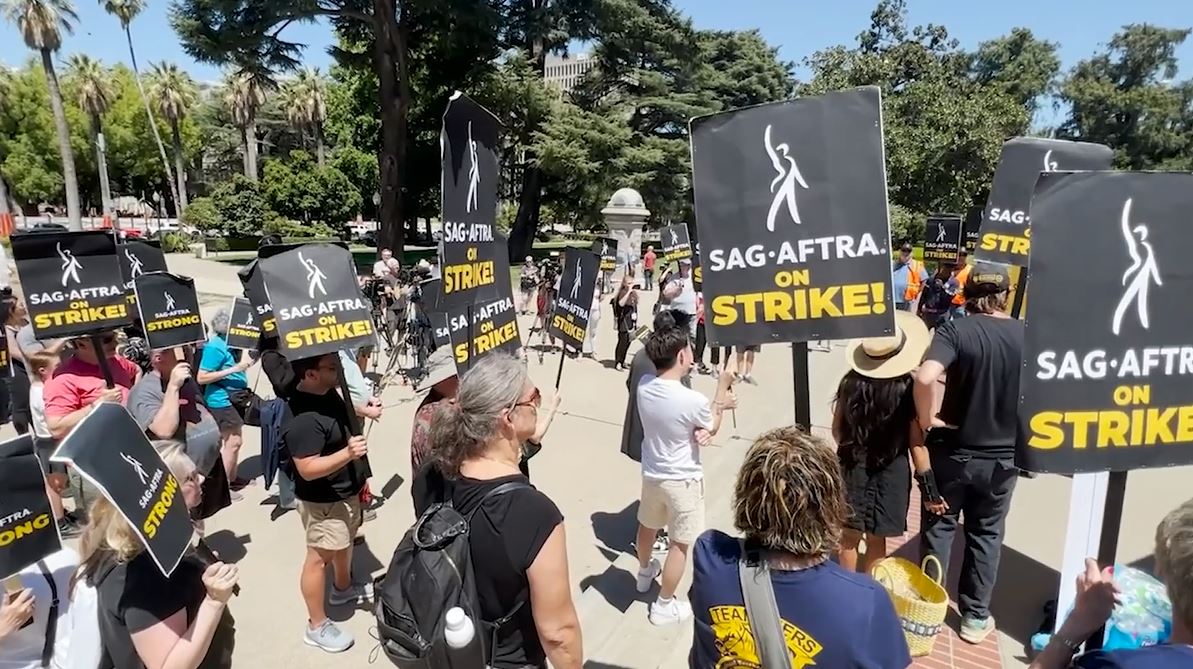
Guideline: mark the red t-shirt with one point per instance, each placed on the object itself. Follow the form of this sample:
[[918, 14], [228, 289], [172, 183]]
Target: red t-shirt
[[77, 384], [648, 260]]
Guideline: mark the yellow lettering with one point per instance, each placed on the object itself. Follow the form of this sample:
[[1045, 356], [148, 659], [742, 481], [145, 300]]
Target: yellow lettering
[[1046, 432], [467, 276], [992, 241]]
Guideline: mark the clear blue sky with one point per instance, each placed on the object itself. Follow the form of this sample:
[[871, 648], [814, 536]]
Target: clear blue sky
[[798, 27]]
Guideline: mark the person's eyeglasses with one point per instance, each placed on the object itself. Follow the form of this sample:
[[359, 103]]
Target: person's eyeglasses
[[536, 399]]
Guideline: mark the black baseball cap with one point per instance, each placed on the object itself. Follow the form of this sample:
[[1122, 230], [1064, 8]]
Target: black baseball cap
[[987, 278], [907, 247]]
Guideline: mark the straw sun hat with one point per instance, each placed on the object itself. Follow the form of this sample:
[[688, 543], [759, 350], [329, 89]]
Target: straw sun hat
[[889, 357]]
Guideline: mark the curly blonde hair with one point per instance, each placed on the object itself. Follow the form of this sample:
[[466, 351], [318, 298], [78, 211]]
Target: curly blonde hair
[[1174, 560], [790, 495]]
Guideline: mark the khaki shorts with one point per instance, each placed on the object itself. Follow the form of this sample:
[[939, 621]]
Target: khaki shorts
[[676, 505], [330, 526]]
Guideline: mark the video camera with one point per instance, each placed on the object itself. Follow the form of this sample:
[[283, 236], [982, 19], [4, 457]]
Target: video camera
[[549, 270]]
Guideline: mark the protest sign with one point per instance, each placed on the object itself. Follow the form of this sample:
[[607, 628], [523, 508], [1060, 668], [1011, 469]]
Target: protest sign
[[469, 167], [469, 256], [971, 227], [428, 302], [109, 449], [569, 321], [244, 331], [72, 283], [5, 365], [254, 291], [1006, 223], [697, 267], [317, 300], [606, 249], [139, 257], [794, 252], [28, 532], [942, 238], [494, 327], [1108, 349], [676, 243], [169, 309]]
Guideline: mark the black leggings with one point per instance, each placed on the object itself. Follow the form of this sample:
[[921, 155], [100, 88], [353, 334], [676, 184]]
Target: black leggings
[[701, 342], [22, 416], [623, 346]]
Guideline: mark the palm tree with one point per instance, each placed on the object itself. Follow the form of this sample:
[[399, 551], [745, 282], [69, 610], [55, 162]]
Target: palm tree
[[42, 23], [173, 92], [244, 94], [4, 212], [126, 11], [95, 96], [305, 102]]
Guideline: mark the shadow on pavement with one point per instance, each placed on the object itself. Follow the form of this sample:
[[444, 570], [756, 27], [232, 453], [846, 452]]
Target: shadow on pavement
[[616, 530], [250, 467], [229, 546], [616, 585]]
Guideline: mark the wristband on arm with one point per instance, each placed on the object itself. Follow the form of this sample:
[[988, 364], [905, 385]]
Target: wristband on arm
[[927, 485]]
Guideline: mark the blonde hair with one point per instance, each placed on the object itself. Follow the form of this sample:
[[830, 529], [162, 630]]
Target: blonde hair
[[1174, 560], [109, 536], [790, 495]]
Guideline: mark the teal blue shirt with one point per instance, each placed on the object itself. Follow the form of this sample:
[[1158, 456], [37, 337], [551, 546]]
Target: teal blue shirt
[[217, 358]]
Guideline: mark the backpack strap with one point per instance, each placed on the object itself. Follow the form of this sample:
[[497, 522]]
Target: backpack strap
[[762, 611], [47, 649], [496, 625], [507, 487]]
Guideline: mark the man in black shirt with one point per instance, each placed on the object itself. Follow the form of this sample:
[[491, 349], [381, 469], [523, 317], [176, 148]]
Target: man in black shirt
[[972, 439], [329, 471]]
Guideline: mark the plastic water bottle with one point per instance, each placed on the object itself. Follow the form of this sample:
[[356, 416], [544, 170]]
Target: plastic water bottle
[[463, 648]]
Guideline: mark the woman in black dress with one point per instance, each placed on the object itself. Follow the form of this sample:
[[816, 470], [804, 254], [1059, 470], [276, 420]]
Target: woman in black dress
[[874, 423]]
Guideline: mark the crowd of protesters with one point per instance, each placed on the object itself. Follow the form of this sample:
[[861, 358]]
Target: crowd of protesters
[[933, 404]]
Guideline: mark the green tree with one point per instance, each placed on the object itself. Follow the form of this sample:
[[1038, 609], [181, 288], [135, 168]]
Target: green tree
[[173, 93], [94, 96], [1022, 66], [244, 94], [299, 189], [28, 156], [305, 101], [202, 215], [360, 169], [241, 206], [41, 23], [126, 11], [1126, 98]]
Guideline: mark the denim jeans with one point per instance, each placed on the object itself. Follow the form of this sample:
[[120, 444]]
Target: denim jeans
[[980, 489], [286, 498]]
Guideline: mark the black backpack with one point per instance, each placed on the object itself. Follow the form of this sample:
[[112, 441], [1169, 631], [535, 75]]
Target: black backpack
[[431, 572]]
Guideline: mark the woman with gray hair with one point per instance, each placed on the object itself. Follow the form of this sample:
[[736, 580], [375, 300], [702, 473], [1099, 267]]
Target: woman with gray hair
[[223, 379], [519, 550]]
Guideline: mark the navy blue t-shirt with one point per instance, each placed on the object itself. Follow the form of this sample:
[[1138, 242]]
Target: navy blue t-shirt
[[832, 618], [1155, 657]]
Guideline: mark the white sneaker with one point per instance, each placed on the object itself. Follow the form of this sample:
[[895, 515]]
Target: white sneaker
[[666, 613], [648, 574]]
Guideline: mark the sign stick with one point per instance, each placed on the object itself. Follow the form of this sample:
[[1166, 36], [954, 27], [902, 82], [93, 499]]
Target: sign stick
[[1112, 520], [803, 390], [101, 356], [353, 419], [1020, 294], [559, 374]]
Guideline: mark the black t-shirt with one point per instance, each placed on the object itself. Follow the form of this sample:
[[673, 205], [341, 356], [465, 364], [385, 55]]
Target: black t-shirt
[[982, 355], [135, 596], [505, 535], [319, 426]]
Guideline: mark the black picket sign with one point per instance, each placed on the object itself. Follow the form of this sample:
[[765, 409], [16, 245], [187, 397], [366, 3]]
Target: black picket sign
[[110, 449], [244, 330], [971, 227], [72, 283], [494, 328], [676, 243], [429, 307], [139, 257], [317, 301], [169, 309], [469, 165], [570, 319], [794, 251], [1006, 222], [474, 265], [28, 532], [606, 249], [1108, 349], [942, 238], [5, 365], [254, 291]]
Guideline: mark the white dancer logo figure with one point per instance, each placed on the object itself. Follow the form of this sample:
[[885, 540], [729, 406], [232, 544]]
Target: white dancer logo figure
[[70, 265], [604, 248], [788, 176], [1142, 272], [474, 174], [674, 238], [1050, 165], [135, 268], [249, 319], [576, 281], [137, 467], [169, 302], [940, 231], [315, 277]]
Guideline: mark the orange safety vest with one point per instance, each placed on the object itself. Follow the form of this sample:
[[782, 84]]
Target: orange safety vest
[[962, 277], [914, 286]]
